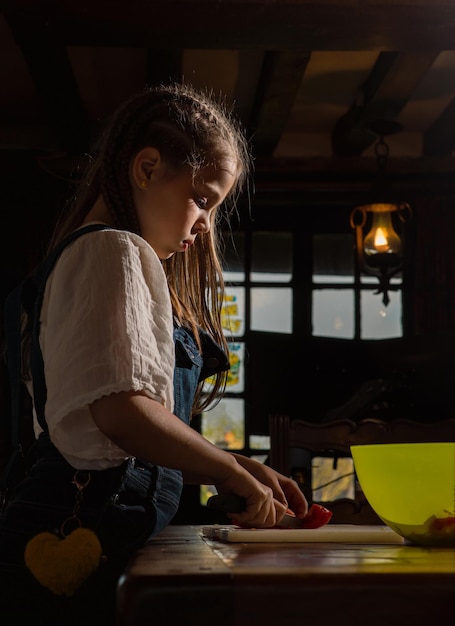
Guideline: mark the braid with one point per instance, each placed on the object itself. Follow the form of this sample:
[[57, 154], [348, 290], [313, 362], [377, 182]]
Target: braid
[[118, 147]]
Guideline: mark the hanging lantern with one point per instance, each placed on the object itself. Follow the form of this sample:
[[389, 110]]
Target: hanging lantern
[[380, 249], [380, 252]]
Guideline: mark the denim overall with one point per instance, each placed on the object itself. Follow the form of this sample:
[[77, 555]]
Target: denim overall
[[126, 506]]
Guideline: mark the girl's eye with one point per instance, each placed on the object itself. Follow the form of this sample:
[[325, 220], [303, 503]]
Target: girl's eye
[[201, 202]]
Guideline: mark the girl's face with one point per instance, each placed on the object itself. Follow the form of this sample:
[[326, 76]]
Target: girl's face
[[173, 209]]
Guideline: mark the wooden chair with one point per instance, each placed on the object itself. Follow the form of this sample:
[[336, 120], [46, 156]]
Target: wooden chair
[[333, 439]]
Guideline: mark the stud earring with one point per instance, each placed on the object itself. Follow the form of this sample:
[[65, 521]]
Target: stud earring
[[143, 184]]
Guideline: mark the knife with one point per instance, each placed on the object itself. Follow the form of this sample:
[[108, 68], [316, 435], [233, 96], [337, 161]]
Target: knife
[[230, 503]]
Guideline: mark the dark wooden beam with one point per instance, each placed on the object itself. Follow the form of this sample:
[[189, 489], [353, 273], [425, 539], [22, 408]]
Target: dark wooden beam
[[52, 74], [279, 82], [387, 90], [307, 184], [321, 176], [278, 25], [250, 63], [439, 139]]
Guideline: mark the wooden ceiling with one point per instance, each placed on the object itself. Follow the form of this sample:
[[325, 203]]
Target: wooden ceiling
[[308, 78]]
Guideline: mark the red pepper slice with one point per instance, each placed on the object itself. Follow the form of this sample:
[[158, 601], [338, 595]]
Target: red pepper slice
[[317, 516]]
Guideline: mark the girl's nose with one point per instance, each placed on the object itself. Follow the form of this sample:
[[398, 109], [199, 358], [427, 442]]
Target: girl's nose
[[202, 225]]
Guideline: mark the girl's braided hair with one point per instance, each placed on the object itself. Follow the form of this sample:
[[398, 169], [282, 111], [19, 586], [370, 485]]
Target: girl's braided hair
[[191, 129]]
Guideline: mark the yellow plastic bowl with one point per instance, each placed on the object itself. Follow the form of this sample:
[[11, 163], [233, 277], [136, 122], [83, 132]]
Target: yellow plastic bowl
[[411, 487]]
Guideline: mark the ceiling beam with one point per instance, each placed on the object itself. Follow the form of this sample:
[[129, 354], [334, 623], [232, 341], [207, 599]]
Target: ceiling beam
[[279, 82], [384, 94], [281, 24], [439, 139], [52, 74], [344, 177], [272, 167]]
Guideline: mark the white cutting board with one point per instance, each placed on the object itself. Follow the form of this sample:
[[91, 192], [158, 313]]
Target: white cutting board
[[336, 533]]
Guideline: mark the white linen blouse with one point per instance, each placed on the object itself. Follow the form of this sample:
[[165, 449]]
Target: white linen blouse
[[106, 327]]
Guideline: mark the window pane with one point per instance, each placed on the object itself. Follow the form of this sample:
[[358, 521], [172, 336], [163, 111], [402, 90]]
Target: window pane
[[233, 313], [332, 479], [224, 425], [333, 313], [321, 279], [271, 257], [260, 442], [373, 280], [271, 309], [333, 258], [233, 256], [377, 320], [236, 375], [206, 492]]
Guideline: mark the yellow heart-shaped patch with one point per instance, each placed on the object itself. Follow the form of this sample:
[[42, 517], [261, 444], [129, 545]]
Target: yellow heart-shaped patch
[[62, 565]]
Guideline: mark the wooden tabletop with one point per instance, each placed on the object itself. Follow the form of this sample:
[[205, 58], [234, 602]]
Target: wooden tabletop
[[182, 575]]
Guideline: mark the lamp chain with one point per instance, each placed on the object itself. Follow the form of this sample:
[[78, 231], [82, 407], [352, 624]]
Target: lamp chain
[[381, 150]]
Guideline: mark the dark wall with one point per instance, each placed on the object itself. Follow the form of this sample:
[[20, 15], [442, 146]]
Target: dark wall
[[29, 199], [323, 379]]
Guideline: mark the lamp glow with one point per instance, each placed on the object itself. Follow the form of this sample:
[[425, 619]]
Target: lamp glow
[[382, 238]]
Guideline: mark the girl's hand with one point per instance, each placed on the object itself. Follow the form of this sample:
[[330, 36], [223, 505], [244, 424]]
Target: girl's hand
[[285, 490], [261, 509], [268, 494]]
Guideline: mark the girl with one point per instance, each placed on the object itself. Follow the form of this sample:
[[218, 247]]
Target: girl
[[129, 328]]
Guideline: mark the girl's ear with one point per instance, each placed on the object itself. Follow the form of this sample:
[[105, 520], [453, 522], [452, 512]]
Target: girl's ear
[[145, 163]]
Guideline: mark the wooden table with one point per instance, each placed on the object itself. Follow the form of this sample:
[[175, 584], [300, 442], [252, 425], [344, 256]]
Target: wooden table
[[186, 579]]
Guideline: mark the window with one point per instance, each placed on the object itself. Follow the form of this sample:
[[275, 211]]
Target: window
[[345, 305]]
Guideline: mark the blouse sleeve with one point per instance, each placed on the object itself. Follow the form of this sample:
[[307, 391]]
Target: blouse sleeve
[[106, 327]]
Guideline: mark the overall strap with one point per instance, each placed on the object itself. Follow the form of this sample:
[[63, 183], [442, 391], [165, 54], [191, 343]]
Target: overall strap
[[28, 296]]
